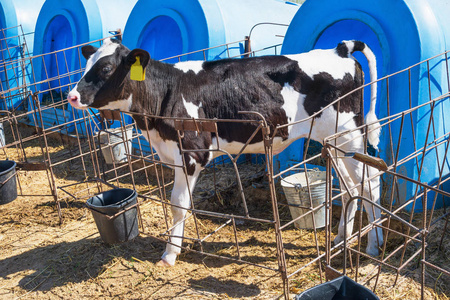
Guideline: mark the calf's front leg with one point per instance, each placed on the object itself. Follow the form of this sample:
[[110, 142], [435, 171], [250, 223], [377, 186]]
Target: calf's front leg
[[181, 197]]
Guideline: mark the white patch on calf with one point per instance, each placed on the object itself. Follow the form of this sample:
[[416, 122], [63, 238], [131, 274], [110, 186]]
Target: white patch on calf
[[235, 147], [193, 65], [192, 162], [122, 105], [316, 61], [165, 149], [191, 108], [108, 48], [291, 102], [324, 126], [295, 111]]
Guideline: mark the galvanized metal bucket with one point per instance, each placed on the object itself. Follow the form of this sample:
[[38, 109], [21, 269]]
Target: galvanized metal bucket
[[113, 146], [2, 135], [296, 191]]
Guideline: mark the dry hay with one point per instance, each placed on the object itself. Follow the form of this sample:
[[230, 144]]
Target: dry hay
[[72, 177], [88, 268]]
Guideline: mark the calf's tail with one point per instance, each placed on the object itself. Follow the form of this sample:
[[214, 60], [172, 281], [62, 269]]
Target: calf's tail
[[349, 47]]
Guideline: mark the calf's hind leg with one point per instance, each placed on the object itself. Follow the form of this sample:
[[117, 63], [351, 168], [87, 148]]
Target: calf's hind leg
[[371, 190], [345, 181]]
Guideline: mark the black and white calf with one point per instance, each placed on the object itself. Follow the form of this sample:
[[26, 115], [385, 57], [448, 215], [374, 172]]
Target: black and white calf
[[283, 89]]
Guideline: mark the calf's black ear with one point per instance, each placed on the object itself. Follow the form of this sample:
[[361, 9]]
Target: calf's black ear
[[144, 57], [88, 50]]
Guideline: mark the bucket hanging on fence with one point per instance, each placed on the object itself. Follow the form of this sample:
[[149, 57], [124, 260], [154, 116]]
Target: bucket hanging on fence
[[115, 214], [8, 183], [113, 145], [296, 191], [2, 135], [342, 288]]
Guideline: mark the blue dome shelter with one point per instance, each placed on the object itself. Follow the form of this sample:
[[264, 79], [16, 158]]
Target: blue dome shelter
[[23, 13], [63, 24], [401, 33], [168, 28], [17, 22]]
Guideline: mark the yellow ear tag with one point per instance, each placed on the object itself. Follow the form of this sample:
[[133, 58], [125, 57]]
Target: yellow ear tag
[[137, 72]]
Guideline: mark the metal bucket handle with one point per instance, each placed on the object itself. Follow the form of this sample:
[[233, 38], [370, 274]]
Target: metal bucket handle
[[110, 133], [299, 186]]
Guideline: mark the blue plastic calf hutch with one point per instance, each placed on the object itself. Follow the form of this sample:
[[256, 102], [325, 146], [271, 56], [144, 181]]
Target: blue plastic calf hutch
[[167, 28], [63, 24], [19, 13], [401, 33], [17, 22]]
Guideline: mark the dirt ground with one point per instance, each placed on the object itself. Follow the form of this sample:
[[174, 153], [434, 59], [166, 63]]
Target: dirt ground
[[40, 259]]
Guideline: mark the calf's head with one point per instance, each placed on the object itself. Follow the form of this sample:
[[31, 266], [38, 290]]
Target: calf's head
[[105, 83]]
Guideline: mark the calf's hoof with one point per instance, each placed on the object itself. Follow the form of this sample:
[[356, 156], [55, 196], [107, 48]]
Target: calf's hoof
[[163, 263], [338, 239]]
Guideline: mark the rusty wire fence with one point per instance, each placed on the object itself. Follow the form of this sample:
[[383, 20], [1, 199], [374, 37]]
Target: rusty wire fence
[[45, 134], [14, 70], [15, 94], [75, 154], [413, 170], [37, 120]]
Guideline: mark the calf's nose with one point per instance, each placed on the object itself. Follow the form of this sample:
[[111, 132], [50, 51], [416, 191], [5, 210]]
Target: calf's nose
[[75, 100], [72, 98]]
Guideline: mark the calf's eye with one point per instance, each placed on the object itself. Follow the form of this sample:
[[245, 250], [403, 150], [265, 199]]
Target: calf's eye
[[106, 69]]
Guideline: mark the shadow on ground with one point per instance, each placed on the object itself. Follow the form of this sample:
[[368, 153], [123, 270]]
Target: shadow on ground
[[57, 265]]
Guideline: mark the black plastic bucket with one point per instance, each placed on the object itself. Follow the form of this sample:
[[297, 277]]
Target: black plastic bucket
[[338, 289], [122, 227], [8, 183]]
